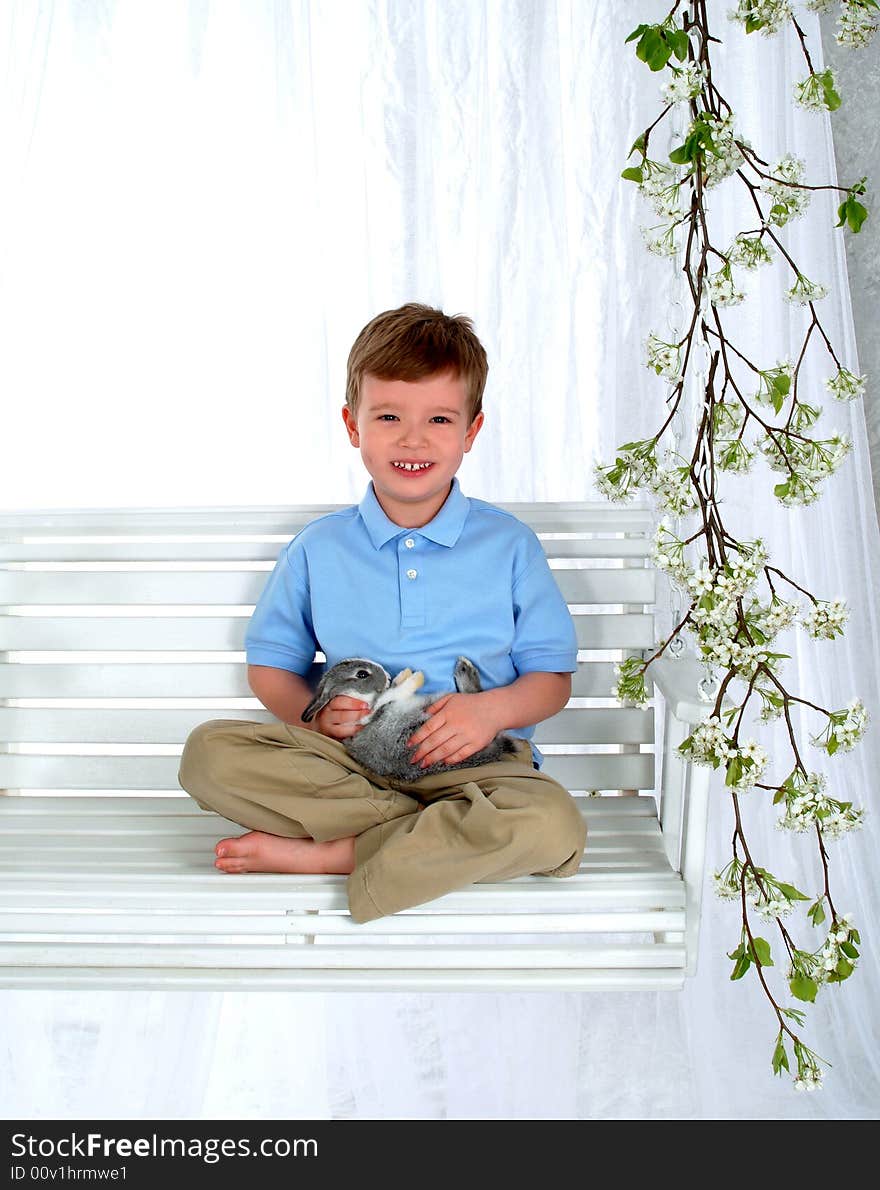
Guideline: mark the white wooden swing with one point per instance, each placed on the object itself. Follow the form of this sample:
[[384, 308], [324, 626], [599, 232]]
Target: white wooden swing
[[106, 866]]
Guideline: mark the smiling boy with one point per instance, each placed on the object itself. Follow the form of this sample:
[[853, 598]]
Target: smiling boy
[[415, 575]]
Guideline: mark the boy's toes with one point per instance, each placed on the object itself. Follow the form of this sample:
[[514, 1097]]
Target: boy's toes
[[237, 846], [231, 865]]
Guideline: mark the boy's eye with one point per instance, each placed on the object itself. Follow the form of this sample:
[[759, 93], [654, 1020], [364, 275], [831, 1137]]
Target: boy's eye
[[393, 417]]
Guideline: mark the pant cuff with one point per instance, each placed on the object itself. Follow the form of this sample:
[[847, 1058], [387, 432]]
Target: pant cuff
[[361, 905]]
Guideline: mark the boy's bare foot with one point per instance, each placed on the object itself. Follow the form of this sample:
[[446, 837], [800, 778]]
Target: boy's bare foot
[[258, 851]]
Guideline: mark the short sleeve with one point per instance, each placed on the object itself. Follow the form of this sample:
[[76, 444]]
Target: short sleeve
[[545, 640], [280, 632]]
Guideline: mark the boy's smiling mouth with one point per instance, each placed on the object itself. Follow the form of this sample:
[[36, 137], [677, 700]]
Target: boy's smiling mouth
[[410, 467]]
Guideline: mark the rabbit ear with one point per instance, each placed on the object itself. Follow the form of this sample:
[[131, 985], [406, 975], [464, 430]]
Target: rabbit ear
[[322, 696], [467, 678]]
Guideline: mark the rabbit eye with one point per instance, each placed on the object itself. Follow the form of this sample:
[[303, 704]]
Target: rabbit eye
[[361, 673]]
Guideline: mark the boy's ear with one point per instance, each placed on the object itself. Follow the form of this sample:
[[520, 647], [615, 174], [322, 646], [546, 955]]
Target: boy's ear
[[472, 431], [351, 425]]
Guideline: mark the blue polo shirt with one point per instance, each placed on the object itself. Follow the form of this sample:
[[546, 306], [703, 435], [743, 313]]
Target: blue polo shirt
[[473, 582]]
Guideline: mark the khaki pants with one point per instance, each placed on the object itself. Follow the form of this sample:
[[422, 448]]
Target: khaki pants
[[414, 841]]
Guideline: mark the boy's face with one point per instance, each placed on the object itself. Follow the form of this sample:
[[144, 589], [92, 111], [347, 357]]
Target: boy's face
[[402, 421]]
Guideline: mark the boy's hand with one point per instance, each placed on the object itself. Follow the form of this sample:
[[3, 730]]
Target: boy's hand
[[339, 719], [460, 725]]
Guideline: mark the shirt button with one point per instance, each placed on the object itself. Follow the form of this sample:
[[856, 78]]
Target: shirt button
[[412, 574], [409, 543]]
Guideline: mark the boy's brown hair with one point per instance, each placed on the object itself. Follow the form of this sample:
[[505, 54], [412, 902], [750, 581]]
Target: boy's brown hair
[[416, 341]]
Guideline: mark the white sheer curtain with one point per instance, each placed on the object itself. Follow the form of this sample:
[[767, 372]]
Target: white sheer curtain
[[205, 203]]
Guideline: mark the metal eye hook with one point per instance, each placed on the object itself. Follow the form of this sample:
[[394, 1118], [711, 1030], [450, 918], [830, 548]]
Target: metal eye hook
[[676, 647], [708, 685]]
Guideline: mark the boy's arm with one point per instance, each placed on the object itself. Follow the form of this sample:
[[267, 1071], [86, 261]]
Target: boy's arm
[[287, 695], [462, 724]]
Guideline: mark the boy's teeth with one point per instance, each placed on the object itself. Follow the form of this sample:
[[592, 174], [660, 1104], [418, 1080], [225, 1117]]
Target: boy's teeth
[[411, 466]]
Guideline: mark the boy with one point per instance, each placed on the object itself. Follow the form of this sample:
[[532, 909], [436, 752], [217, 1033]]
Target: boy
[[415, 575]]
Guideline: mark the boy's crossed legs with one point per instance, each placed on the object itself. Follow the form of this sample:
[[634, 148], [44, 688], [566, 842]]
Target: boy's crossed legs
[[311, 808]]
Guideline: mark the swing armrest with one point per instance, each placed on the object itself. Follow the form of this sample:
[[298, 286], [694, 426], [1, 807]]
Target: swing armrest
[[684, 802], [678, 680]]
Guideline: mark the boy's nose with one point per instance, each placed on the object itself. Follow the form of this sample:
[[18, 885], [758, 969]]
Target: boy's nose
[[412, 436]]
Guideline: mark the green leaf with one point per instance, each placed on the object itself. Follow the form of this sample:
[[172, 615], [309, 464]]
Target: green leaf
[[637, 33], [639, 145], [794, 1014], [633, 174], [680, 43], [780, 1058], [832, 99], [780, 490], [650, 44], [856, 215], [789, 890], [734, 771], [660, 57], [844, 969], [742, 965], [762, 950], [849, 950], [816, 913], [753, 24], [851, 212], [803, 988], [832, 744]]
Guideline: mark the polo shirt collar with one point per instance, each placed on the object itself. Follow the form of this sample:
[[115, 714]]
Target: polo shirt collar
[[445, 528]]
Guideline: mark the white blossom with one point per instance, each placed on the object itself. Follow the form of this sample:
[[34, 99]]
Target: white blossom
[[708, 743], [722, 290], [772, 12], [805, 291], [808, 463], [844, 728], [667, 554], [664, 358], [662, 244], [727, 881], [778, 615], [852, 727], [750, 251], [749, 774], [809, 93], [846, 386], [686, 83], [660, 186], [630, 689], [806, 805], [631, 470], [825, 619], [856, 25], [727, 159], [810, 1080], [732, 454], [789, 200]]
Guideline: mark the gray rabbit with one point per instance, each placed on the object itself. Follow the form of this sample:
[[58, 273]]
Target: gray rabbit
[[396, 711]]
